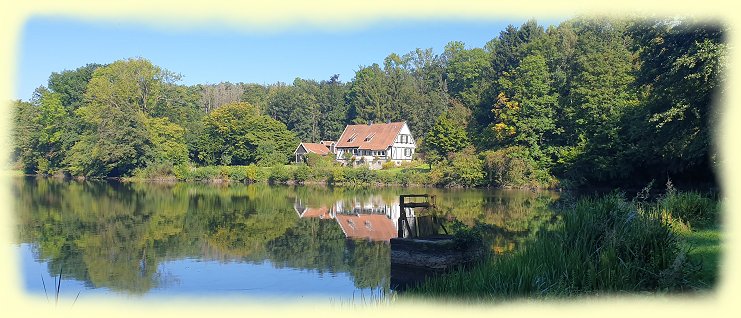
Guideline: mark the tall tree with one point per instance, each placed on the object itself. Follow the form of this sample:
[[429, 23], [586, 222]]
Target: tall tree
[[511, 46], [682, 75], [525, 110], [333, 108], [119, 98], [214, 96], [238, 134], [444, 138], [255, 94], [369, 95], [296, 106], [600, 91], [71, 85]]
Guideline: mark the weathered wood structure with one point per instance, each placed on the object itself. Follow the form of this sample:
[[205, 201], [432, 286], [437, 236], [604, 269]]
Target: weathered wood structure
[[419, 251]]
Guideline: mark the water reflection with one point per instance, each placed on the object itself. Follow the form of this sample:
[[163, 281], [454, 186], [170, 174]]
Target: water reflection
[[144, 239], [372, 219]]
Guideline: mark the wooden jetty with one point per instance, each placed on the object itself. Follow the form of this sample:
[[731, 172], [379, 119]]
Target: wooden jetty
[[419, 251]]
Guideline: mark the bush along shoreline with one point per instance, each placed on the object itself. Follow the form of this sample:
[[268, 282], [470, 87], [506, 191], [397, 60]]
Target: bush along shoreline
[[414, 174], [462, 170], [601, 245]]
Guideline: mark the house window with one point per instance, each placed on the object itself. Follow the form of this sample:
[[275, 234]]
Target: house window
[[407, 152], [370, 137], [352, 137], [405, 139]]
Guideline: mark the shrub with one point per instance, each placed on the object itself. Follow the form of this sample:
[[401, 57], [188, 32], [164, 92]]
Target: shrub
[[182, 171], [323, 174], [338, 175], [237, 173], [302, 173], [279, 174], [462, 169], [386, 177], [360, 175], [160, 170], [506, 167], [205, 173], [251, 174], [388, 165], [691, 207], [316, 161]]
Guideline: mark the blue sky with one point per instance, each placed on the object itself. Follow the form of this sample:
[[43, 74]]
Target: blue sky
[[219, 53]]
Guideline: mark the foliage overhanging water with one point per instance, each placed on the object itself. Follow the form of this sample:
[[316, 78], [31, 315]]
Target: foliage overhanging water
[[141, 239]]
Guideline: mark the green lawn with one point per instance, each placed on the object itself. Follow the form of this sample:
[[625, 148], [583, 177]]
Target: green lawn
[[705, 248], [421, 167]]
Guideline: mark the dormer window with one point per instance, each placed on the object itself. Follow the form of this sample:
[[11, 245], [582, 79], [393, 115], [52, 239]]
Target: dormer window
[[369, 137], [352, 137]]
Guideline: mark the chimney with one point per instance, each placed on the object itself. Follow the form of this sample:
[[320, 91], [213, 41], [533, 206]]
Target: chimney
[[370, 122]]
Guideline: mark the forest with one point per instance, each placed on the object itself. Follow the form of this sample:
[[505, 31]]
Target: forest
[[592, 101]]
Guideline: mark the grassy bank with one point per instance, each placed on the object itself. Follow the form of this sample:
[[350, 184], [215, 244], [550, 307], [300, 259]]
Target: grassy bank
[[606, 245]]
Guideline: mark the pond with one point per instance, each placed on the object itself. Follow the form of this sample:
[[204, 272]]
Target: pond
[[144, 240]]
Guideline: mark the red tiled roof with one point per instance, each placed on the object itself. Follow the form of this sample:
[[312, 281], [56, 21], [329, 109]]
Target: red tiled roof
[[375, 227], [383, 136], [315, 148]]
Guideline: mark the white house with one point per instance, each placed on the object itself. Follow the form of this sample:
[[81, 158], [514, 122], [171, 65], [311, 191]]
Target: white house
[[375, 143]]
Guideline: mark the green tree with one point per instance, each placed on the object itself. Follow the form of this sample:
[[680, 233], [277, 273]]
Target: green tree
[[119, 99], [527, 118], [296, 106], [368, 96], [255, 94], [468, 73], [237, 134], [168, 141], [39, 132], [600, 91], [681, 77], [428, 71], [333, 108], [24, 134], [445, 137], [71, 85], [512, 45]]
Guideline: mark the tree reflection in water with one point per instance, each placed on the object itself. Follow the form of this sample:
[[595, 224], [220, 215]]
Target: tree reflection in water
[[115, 235]]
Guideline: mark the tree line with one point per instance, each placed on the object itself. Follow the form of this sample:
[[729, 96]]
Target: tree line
[[592, 100]]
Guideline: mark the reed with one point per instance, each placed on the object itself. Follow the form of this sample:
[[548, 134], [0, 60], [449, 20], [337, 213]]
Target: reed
[[603, 245], [57, 288]]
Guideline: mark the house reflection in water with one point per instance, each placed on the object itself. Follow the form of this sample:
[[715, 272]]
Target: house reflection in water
[[372, 219]]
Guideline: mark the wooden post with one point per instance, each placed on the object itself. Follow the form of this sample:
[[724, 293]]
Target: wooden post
[[402, 218]]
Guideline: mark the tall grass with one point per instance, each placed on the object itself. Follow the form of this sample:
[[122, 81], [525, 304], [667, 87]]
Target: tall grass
[[57, 288], [603, 245], [692, 208]]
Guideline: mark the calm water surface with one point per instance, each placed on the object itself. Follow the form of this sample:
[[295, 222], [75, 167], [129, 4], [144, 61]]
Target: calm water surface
[[256, 241]]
